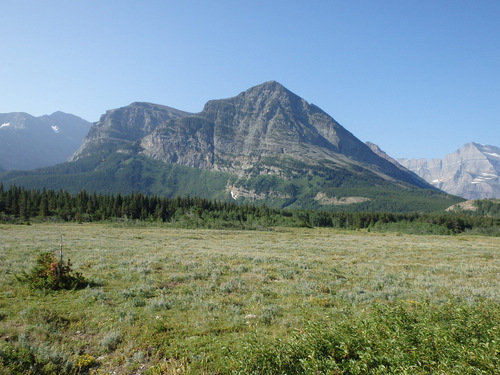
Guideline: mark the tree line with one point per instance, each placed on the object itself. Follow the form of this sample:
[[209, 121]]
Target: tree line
[[18, 204]]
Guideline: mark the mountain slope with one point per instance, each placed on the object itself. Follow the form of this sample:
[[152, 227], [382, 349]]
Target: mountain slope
[[377, 150], [265, 125], [118, 127], [318, 188], [472, 172], [28, 142], [265, 145]]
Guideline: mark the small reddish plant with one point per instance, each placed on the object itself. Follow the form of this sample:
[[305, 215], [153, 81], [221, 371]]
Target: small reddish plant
[[50, 274]]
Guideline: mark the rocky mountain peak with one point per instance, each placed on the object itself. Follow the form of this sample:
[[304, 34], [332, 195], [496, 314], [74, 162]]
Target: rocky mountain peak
[[471, 172], [268, 91], [270, 144], [264, 122], [376, 149], [261, 99], [126, 124]]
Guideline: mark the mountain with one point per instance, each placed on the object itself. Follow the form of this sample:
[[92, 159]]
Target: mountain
[[264, 145], [28, 142], [121, 126], [377, 150], [471, 172], [264, 126]]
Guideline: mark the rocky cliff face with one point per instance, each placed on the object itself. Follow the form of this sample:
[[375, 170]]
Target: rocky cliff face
[[121, 126], [266, 122], [471, 172], [28, 142]]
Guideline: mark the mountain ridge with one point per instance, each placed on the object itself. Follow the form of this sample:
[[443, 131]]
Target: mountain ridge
[[266, 120], [29, 142], [264, 145], [471, 172], [125, 124]]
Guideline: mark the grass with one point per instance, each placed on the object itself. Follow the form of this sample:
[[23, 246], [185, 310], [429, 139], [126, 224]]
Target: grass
[[173, 301]]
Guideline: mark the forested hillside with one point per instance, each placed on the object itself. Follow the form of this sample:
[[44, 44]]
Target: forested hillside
[[21, 205]]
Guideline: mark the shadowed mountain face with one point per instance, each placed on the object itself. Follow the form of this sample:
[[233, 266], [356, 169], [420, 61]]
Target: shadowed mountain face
[[28, 142], [471, 172]]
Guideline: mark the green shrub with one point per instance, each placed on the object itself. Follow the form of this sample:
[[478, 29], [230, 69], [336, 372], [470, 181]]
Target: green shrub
[[28, 358], [404, 338], [50, 274], [111, 341]]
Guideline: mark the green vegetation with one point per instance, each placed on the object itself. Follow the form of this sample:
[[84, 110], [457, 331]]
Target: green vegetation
[[487, 207], [119, 173], [285, 300], [50, 274], [22, 205], [295, 188], [408, 337], [299, 183]]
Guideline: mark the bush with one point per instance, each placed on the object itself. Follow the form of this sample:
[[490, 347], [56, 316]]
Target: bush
[[28, 358], [50, 274], [404, 338], [111, 341]]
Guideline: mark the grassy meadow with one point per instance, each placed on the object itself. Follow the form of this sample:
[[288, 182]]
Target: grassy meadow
[[284, 301]]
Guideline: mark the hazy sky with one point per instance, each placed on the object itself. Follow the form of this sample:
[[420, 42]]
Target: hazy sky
[[420, 78]]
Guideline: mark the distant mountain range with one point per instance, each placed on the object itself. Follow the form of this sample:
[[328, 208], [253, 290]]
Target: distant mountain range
[[28, 142], [265, 145], [471, 172]]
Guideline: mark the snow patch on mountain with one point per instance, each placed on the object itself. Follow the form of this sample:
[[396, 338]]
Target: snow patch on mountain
[[55, 129], [494, 154], [5, 125], [484, 177]]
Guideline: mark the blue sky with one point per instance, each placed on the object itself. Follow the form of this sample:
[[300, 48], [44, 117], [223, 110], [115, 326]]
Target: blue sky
[[418, 77]]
